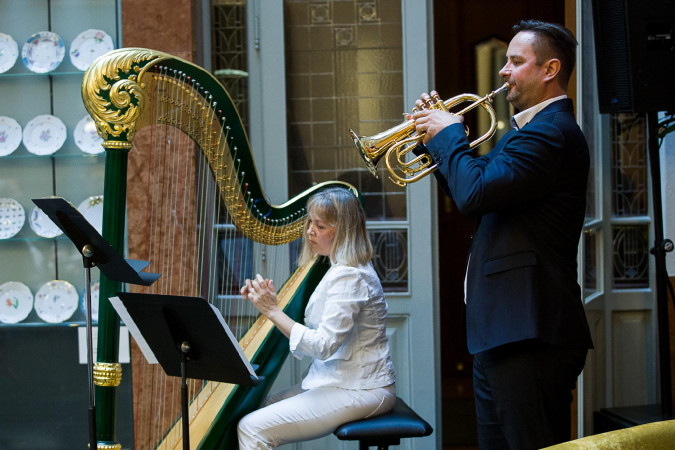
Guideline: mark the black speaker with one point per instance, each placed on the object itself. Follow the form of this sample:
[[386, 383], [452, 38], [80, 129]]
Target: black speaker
[[635, 55]]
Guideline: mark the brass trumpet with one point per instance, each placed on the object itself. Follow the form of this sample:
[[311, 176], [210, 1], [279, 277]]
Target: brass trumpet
[[403, 138]]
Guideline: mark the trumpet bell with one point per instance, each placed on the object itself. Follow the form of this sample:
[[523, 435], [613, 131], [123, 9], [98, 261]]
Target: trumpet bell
[[371, 163]]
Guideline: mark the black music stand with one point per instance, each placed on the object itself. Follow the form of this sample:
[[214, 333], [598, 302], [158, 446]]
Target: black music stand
[[96, 252], [188, 337]]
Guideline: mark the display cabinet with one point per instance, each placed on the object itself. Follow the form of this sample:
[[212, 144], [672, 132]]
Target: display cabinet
[[44, 379], [57, 154]]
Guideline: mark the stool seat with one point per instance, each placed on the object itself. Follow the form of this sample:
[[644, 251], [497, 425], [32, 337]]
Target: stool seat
[[386, 429]]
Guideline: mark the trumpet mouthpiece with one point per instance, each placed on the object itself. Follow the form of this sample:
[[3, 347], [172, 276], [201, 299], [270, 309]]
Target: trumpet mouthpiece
[[505, 86]]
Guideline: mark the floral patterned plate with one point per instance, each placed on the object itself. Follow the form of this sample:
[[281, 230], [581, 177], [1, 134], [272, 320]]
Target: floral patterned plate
[[89, 45], [43, 52], [10, 135], [94, 301], [16, 302], [12, 217], [56, 301], [44, 135], [92, 210], [42, 225], [9, 51], [86, 136]]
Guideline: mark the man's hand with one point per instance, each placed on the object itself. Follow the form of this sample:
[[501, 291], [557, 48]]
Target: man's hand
[[431, 121]]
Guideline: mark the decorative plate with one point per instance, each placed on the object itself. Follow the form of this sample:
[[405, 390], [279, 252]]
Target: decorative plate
[[89, 45], [10, 135], [56, 301], [43, 52], [42, 225], [86, 136], [12, 217], [92, 210], [9, 51], [16, 302], [94, 301], [44, 135]]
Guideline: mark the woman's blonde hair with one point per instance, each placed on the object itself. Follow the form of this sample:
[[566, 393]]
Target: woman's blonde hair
[[340, 208]]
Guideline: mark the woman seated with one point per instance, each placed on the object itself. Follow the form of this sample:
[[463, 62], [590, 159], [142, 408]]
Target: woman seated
[[352, 375]]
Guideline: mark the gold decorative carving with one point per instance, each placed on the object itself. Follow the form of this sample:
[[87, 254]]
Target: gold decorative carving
[[108, 446], [112, 95], [107, 374]]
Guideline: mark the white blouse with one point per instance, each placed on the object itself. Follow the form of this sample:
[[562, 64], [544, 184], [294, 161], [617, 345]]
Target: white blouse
[[345, 331]]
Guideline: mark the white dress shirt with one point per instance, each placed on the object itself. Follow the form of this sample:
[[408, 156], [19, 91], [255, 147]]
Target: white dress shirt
[[523, 118], [345, 331]]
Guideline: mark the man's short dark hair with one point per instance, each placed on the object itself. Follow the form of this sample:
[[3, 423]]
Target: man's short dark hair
[[553, 41]]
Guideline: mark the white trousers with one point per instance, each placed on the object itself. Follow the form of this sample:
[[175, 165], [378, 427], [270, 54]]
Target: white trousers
[[294, 415]]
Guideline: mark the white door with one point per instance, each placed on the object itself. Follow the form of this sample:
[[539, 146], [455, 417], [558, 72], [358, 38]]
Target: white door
[[315, 70], [617, 268]]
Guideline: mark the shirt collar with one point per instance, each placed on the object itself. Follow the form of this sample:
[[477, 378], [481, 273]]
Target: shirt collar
[[523, 118]]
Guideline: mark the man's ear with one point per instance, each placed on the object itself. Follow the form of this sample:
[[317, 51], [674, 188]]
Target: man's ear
[[552, 67]]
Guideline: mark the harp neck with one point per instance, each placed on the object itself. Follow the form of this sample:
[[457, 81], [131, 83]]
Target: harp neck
[[127, 89]]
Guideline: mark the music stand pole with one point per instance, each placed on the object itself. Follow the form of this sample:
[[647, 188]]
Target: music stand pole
[[184, 350], [87, 255], [661, 246], [96, 252]]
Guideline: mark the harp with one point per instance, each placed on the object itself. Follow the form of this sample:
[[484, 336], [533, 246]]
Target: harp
[[197, 212]]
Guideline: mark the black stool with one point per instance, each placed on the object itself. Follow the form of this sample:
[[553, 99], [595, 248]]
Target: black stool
[[385, 430]]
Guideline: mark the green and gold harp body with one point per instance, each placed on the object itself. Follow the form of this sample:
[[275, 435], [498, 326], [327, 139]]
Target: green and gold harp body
[[182, 191]]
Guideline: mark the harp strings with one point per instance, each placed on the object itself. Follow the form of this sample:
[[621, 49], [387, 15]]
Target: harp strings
[[171, 246], [191, 239], [163, 214]]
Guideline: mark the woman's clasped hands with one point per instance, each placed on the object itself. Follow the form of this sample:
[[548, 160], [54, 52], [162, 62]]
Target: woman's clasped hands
[[260, 291]]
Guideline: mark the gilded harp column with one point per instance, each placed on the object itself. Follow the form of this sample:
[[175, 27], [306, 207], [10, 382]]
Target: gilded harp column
[[114, 98]]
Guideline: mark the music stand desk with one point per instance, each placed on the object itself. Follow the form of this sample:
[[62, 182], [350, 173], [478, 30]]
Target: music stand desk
[[188, 337], [97, 251]]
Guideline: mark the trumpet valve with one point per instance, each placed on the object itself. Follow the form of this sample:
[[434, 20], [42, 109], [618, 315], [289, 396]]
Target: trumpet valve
[[439, 103]]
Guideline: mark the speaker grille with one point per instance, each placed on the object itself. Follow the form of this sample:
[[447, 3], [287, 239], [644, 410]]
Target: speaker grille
[[635, 55], [611, 54]]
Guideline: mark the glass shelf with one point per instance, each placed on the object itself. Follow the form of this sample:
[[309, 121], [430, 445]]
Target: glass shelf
[[34, 74], [55, 155], [75, 324], [34, 239]]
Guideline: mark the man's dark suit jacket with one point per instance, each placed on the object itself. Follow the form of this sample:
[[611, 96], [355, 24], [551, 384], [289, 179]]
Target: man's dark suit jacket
[[529, 194]]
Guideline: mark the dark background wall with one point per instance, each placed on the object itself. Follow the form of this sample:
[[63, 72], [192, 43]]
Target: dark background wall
[[458, 27], [45, 391]]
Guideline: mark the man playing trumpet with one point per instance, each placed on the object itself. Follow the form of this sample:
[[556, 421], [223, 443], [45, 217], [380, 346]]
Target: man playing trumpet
[[526, 325]]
